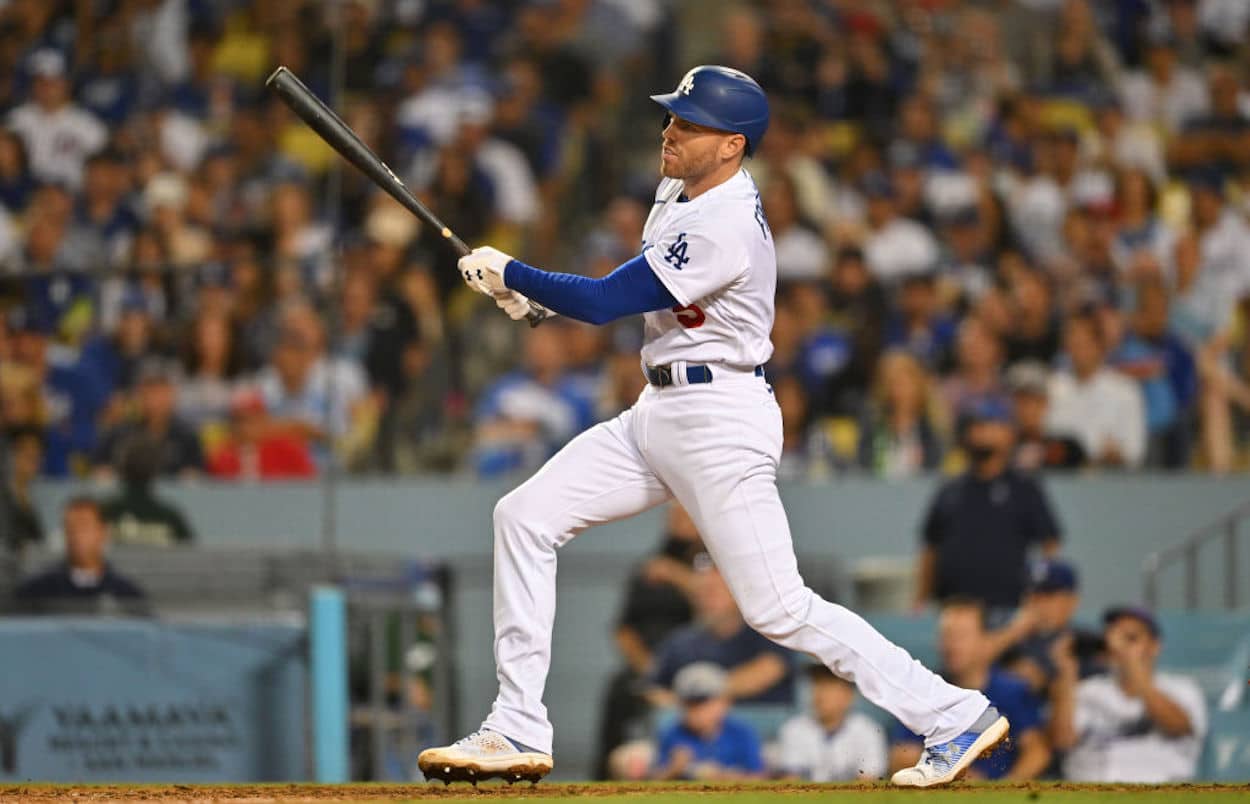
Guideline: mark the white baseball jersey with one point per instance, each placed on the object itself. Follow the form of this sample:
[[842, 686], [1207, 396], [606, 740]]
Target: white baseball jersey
[[715, 254], [1116, 742], [856, 750], [58, 142]]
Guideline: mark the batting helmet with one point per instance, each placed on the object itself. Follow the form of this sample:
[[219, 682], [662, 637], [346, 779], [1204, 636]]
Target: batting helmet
[[722, 98]]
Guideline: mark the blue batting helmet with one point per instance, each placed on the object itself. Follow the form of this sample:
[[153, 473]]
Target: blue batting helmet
[[720, 98]]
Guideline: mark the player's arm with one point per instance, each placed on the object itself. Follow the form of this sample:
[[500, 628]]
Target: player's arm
[[756, 675], [631, 289]]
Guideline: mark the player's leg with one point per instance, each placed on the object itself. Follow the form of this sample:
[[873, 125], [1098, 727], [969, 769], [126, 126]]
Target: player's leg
[[598, 477], [723, 471]]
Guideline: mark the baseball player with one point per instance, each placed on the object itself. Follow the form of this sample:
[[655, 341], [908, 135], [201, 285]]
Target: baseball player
[[706, 431]]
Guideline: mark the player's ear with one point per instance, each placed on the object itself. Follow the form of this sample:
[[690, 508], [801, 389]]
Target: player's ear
[[734, 146]]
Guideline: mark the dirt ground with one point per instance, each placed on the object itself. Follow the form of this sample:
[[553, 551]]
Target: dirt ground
[[291, 793]]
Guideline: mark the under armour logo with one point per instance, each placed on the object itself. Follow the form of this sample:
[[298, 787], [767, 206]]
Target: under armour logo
[[687, 84], [676, 256]]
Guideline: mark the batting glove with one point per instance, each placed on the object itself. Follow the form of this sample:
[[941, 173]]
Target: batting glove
[[483, 268], [512, 303]]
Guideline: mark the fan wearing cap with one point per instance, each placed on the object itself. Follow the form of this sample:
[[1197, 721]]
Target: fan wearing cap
[[1135, 724], [1041, 634], [59, 135], [707, 742], [982, 525], [829, 742]]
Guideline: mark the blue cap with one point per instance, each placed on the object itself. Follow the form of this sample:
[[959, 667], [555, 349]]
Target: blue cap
[[1140, 613], [721, 98], [1052, 575]]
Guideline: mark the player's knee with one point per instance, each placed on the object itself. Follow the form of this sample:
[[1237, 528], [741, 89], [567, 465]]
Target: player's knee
[[509, 512], [779, 617]]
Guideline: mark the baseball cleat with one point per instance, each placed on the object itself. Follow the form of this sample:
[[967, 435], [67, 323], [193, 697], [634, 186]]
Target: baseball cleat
[[947, 762], [484, 755]]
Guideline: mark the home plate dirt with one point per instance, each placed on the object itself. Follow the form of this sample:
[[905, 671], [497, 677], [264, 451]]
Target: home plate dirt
[[633, 793]]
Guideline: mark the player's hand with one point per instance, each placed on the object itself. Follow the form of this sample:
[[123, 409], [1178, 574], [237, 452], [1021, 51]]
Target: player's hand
[[512, 303], [483, 269]]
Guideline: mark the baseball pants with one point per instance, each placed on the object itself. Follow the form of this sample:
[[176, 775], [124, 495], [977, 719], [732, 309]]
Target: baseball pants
[[714, 447]]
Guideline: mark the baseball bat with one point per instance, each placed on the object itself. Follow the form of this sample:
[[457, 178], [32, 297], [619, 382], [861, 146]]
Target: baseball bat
[[339, 136]]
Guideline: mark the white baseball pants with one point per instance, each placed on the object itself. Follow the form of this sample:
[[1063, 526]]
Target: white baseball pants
[[715, 448]]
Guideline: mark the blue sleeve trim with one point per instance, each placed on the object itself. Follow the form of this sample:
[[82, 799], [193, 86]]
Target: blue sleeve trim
[[631, 289]]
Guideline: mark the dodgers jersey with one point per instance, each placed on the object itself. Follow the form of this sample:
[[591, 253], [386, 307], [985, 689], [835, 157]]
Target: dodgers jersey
[[715, 255]]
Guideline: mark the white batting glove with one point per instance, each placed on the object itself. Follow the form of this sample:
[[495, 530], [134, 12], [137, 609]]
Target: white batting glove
[[512, 303], [483, 268]]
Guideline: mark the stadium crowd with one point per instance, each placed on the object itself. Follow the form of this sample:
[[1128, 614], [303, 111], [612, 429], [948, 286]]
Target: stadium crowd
[[700, 695], [1037, 204]]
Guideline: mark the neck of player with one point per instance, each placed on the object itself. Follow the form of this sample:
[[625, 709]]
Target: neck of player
[[696, 186]]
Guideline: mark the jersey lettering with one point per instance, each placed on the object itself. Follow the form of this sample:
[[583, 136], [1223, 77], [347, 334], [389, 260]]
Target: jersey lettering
[[759, 215], [690, 316], [676, 256]]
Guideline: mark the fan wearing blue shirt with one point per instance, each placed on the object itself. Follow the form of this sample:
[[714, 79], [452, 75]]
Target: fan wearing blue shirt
[[964, 647], [707, 742]]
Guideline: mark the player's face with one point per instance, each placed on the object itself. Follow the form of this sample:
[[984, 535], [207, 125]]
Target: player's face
[[688, 150]]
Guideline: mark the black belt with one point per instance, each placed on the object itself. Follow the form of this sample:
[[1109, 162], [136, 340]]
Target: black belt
[[662, 376]]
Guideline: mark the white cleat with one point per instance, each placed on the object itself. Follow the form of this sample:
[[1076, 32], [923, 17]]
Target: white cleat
[[484, 755], [947, 762]]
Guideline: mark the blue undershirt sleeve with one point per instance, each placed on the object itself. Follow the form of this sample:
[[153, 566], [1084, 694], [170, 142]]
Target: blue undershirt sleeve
[[631, 289]]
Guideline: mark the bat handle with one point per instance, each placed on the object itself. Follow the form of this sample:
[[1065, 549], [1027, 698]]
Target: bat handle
[[537, 314]]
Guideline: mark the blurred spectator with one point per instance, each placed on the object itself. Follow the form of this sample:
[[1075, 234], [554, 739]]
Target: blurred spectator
[[1144, 245], [980, 527], [1134, 724], [179, 452], [59, 135], [1036, 449], [16, 183], [254, 449], [525, 416], [897, 437], [68, 398], [966, 661], [1042, 629], [1093, 403], [211, 367], [801, 252], [1035, 329], [657, 603], [975, 381], [1165, 372], [19, 519], [829, 742], [135, 515], [1164, 94], [895, 246], [823, 351], [759, 671], [84, 581], [311, 396], [707, 743], [860, 308], [1218, 139], [920, 326]]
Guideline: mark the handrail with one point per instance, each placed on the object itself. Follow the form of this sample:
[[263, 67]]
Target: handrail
[[1226, 527]]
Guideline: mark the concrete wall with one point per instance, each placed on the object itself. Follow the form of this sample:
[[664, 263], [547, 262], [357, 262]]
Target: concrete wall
[[1110, 523]]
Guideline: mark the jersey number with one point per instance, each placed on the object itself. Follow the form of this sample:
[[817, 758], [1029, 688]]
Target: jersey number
[[690, 316]]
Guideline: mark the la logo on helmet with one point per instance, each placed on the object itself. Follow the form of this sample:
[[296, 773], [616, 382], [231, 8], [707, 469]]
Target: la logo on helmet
[[687, 84]]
